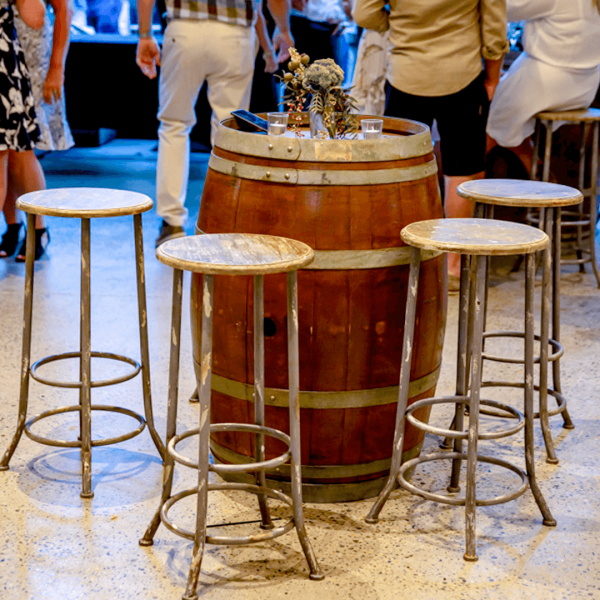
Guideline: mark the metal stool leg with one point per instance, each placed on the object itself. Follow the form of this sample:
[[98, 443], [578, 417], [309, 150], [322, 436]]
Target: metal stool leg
[[85, 367], [461, 369], [294, 415], [143, 321], [407, 347], [259, 394], [477, 309], [594, 199], [567, 422], [204, 435], [26, 344], [529, 375], [544, 334], [169, 462]]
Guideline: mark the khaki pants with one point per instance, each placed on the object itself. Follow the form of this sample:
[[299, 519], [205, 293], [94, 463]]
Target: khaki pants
[[194, 52]]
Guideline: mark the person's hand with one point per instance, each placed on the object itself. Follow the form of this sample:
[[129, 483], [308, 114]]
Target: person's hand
[[53, 84], [148, 57], [271, 65], [282, 42], [490, 87]]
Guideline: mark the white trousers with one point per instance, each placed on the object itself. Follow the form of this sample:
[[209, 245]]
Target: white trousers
[[531, 86], [194, 52]]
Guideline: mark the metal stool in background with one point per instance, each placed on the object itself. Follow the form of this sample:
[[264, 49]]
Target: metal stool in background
[[233, 254], [585, 219], [475, 239], [84, 204], [551, 198]]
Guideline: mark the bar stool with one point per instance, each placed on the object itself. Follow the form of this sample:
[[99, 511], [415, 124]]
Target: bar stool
[[233, 254], [583, 220], [84, 204], [551, 197], [475, 240]]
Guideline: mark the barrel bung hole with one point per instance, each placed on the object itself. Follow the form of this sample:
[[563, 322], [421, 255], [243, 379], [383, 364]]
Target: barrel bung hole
[[270, 328]]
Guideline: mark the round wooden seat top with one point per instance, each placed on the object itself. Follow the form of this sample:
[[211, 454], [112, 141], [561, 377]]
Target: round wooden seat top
[[235, 254], [475, 236], [584, 115], [84, 203], [521, 193]]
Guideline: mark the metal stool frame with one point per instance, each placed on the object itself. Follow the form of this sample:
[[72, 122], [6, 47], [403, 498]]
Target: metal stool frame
[[199, 536], [551, 225], [589, 121], [85, 354], [471, 318]]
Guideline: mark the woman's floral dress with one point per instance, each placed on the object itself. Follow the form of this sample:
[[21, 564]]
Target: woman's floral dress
[[18, 127]]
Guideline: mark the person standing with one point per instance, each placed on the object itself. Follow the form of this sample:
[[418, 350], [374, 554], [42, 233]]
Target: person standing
[[212, 42], [444, 66], [45, 53]]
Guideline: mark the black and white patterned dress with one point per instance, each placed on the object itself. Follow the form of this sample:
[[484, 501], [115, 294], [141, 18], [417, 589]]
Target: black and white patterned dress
[[18, 127]]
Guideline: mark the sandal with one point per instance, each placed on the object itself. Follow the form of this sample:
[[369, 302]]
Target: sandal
[[42, 239], [10, 240]]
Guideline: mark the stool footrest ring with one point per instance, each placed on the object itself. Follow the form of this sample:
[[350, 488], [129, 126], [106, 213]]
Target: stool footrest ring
[[403, 482], [561, 400], [226, 468], [264, 535], [77, 384], [77, 443], [511, 413], [557, 353]]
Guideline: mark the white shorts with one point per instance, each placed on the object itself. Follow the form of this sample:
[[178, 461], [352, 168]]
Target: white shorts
[[531, 86]]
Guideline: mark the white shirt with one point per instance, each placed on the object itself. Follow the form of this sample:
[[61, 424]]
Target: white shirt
[[562, 33], [322, 11]]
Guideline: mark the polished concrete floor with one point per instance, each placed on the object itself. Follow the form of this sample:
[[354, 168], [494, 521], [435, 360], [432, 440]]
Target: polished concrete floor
[[54, 545]]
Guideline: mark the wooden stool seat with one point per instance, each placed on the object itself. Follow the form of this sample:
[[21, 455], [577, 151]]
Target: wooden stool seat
[[235, 254], [84, 203], [585, 115], [519, 193], [475, 237]]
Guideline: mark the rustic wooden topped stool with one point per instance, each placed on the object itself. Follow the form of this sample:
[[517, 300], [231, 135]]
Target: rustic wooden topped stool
[[551, 197], [233, 254], [84, 204], [585, 219], [477, 239]]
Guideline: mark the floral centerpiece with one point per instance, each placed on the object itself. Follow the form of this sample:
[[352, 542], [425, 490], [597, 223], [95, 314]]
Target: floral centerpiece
[[331, 108]]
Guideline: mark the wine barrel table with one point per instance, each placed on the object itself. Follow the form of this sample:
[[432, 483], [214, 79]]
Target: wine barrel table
[[348, 200]]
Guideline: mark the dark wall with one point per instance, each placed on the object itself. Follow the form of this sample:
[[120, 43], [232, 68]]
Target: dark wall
[[104, 88]]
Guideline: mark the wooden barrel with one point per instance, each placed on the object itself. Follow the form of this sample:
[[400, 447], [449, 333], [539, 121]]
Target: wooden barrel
[[347, 199]]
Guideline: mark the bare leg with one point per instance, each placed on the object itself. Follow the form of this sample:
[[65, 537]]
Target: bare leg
[[524, 151], [3, 167], [25, 174], [457, 207]]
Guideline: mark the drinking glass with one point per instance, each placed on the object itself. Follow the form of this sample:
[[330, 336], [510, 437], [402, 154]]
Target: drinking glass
[[372, 128], [277, 123]]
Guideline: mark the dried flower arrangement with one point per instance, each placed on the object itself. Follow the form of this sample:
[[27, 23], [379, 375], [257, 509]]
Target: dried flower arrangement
[[320, 81]]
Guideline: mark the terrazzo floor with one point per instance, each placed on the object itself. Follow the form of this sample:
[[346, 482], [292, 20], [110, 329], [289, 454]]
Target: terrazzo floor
[[54, 545]]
